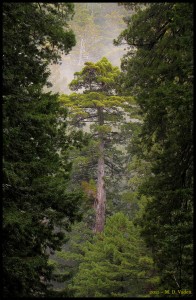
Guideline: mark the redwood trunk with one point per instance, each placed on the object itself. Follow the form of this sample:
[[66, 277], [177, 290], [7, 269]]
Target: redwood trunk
[[101, 194]]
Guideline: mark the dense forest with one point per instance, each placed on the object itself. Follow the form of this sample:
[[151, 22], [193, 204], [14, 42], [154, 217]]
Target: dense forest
[[97, 149]]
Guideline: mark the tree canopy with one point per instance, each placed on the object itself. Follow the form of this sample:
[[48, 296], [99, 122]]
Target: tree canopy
[[115, 263], [158, 70], [35, 165]]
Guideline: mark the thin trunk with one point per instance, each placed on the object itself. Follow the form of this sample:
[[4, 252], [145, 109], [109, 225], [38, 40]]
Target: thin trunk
[[101, 194]]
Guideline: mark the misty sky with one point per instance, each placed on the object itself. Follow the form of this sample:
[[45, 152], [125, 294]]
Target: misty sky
[[95, 26]]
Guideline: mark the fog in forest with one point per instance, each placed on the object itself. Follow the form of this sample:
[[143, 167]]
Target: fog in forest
[[97, 180], [95, 26]]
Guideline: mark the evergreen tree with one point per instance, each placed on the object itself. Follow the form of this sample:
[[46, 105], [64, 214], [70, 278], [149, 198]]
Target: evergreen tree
[[35, 163], [100, 105], [66, 262], [158, 71], [115, 263]]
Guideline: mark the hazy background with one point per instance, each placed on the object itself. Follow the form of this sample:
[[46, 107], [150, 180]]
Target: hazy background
[[95, 25]]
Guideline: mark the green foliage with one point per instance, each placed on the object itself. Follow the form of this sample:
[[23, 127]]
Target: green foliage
[[158, 71], [66, 261], [115, 264], [100, 77], [35, 168], [106, 114]]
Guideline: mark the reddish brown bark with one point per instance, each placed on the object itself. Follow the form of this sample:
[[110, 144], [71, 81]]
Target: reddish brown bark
[[101, 194]]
